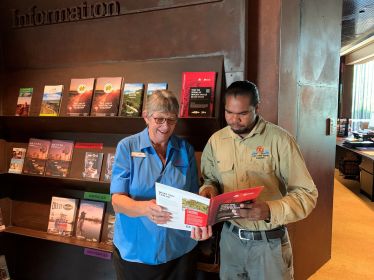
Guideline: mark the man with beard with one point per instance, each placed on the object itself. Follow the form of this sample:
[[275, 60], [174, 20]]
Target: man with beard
[[252, 152]]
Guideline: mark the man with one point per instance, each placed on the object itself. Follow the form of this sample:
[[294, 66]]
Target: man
[[252, 152]]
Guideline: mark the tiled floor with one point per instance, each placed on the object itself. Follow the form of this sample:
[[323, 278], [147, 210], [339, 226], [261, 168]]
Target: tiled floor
[[352, 235]]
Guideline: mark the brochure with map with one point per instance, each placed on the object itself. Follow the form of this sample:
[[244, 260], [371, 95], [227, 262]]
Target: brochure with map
[[189, 209]]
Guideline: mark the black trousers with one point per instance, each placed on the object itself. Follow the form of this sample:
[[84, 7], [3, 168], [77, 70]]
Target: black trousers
[[183, 268]]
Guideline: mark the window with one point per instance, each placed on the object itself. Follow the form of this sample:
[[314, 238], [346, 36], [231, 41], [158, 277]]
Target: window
[[363, 90]]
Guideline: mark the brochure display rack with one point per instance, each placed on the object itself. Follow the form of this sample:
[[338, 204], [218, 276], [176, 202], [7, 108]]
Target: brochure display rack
[[25, 199]]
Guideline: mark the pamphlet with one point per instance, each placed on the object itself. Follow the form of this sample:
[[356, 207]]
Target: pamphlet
[[18, 158], [51, 100], [24, 101], [189, 209], [197, 96]]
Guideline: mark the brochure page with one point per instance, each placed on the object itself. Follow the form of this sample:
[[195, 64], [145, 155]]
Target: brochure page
[[177, 201], [189, 209]]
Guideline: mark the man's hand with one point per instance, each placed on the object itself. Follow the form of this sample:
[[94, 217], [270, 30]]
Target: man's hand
[[209, 192], [254, 211], [201, 233]]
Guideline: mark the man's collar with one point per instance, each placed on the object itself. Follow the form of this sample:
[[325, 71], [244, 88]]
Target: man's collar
[[257, 129]]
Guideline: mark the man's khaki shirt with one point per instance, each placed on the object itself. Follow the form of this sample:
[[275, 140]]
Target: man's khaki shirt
[[268, 156]]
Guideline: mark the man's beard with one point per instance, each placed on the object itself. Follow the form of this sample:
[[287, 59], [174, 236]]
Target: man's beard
[[244, 130]]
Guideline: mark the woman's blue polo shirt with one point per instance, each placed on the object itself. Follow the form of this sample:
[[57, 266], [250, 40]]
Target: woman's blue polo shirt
[[136, 169]]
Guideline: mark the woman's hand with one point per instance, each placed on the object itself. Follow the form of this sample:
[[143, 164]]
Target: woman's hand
[[201, 233], [156, 213], [135, 208]]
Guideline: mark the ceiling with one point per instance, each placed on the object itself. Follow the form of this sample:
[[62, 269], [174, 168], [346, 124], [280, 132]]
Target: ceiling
[[357, 22]]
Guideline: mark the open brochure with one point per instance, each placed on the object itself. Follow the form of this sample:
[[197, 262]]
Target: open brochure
[[189, 209]]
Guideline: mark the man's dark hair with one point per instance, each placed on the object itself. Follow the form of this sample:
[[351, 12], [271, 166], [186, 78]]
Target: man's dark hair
[[244, 88]]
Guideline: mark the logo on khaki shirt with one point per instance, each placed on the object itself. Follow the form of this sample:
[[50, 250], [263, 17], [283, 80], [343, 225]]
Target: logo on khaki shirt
[[260, 153]]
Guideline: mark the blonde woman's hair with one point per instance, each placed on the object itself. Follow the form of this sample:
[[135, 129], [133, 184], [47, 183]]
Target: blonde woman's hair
[[163, 101]]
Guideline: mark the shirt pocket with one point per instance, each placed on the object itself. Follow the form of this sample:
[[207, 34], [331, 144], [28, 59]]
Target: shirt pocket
[[261, 172], [226, 169], [261, 166], [181, 167], [178, 175]]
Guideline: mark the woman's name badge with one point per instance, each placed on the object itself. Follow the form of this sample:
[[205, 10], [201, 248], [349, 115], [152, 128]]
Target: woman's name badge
[[137, 154]]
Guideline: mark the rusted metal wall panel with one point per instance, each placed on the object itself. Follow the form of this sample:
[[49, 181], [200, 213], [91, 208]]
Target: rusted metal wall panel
[[152, 31], [262, 62], [309, 71]]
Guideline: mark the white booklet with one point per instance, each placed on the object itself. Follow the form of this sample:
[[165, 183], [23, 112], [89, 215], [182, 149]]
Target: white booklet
[[175, 200], [189, 209]]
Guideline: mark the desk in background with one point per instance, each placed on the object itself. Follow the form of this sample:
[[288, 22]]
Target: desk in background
[[364, 159]]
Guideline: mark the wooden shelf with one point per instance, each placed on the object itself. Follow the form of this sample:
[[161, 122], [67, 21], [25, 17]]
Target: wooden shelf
[[28, 197], [13, 125], [50, 182], [85, 244], [196, 130], [61, 239]]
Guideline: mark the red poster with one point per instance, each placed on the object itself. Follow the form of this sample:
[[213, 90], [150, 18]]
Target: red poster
[[197, 96]]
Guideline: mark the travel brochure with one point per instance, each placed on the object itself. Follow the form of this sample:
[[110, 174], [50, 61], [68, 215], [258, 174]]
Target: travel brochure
[[54, 158], [109, 96], [59, 158], [62, 216], [86, 223], [51, 100], [17, 160], [89, 221], [80, 97], [24, 101], [189, 209], [106, 96], [132, 100], [197, 97]]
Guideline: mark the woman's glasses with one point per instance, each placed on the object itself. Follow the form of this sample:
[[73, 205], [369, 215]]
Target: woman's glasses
[[163, 120]]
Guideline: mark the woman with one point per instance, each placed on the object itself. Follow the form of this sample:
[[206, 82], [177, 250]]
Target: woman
[[145, 250]]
